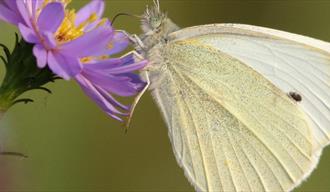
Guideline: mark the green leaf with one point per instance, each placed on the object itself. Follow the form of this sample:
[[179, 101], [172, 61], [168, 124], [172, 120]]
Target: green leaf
[[22, 74]]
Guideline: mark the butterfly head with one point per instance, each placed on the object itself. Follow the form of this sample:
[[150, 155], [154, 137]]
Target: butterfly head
[[154, 21], [152, 18]]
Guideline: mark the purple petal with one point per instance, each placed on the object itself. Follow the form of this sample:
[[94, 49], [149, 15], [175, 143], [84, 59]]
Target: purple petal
[[11, 4], [115, 66], [23, 9], [51, 17], [64, 66], [135, 81], [9, 16], [36, 5], [91, 43], [107, 64], [28, 34], [41, 55], [94, 7], [118, 44], [128, 59], [118, 85], [48, 40], [93, 25], [128, 68], [93, 93], [112, 100]]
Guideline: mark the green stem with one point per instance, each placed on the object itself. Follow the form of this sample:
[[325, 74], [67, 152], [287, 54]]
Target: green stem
[[4, 103], [5, 99]]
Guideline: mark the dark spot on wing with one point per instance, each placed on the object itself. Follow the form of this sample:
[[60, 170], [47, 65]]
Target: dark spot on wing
[[296, 96]]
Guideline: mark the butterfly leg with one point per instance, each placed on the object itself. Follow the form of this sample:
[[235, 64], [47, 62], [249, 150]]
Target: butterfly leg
[[136, 40], [133, 38], [137, 99], [138, 56]]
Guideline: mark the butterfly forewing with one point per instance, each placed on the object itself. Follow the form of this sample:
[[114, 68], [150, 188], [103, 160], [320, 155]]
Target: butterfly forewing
[[293, 63]]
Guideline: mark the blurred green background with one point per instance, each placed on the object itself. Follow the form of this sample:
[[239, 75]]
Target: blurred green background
[[73, 146]]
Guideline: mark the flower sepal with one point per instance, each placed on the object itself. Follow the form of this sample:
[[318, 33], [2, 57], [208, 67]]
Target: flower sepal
[[22, 75]]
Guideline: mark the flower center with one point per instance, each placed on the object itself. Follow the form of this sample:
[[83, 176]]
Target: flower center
[[68, 31]]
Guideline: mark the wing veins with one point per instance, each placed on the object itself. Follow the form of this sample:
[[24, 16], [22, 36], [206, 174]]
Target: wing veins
[[182, 148], [201, 153], [288, 137], [198, 138], [238, 160], [269, 167], [301, 84], [181, 160], [306, 97], [313, 74], [317, 96], [217, 166], [258, 136], [290, 56], [187, 139], [249, 160]]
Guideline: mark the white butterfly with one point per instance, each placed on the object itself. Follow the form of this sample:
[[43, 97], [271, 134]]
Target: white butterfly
[[247, 107]]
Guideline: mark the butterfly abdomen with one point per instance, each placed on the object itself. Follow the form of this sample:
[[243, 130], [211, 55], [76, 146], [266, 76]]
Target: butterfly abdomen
[[158, 64]]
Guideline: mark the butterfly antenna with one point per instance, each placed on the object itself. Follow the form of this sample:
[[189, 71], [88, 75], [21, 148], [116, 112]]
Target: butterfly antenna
[[124, 14], [157, 5], [147, 11]]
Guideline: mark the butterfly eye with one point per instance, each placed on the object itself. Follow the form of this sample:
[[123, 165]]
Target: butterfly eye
[[155, 23]]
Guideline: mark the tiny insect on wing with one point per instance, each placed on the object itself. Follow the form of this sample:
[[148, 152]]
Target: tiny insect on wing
[[296, 96]]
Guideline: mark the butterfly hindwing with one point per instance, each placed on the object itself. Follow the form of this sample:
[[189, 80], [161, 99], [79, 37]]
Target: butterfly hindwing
[[231, 128]]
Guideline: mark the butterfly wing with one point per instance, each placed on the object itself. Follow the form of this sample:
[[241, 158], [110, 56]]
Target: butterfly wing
[[291, 62], [231, 128]]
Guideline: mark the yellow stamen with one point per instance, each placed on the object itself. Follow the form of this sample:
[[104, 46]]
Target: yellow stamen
[[102, 22], [68, 31], [98, 58], [90, 19], [86, 59], [110, 46], [66, 2], [104, 57]]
